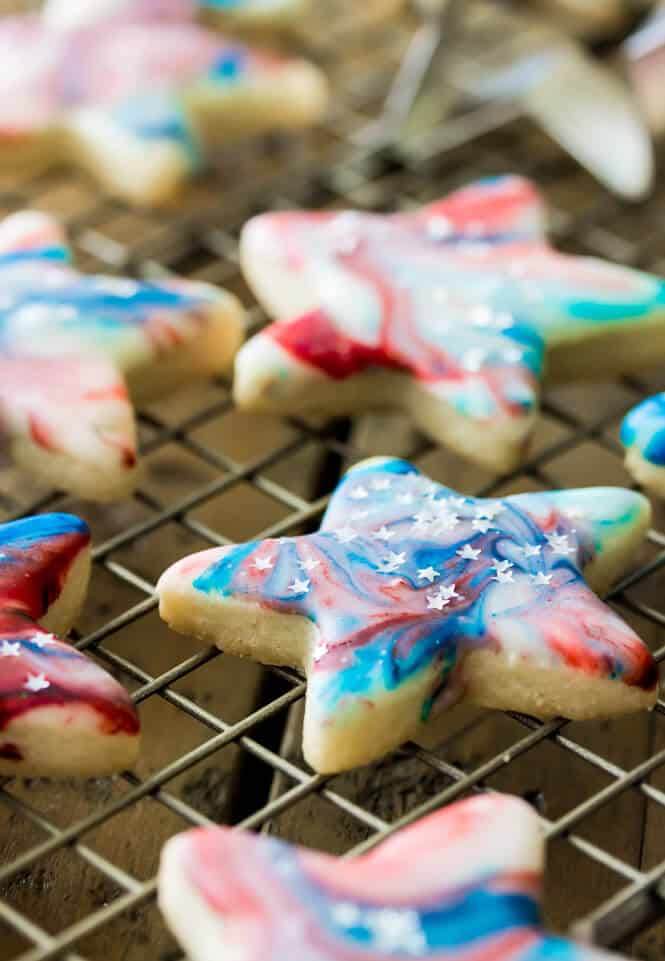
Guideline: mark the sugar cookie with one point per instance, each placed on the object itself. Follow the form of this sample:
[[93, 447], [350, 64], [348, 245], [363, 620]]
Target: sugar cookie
[[70, 340], [141, 103], [463, 883], [445, 313], [643, 436], [60, 714], [412, 598]]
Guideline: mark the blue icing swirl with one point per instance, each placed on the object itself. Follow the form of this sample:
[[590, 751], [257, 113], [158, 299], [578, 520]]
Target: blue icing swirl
[[644, 428], [229, 65], [31, 530], [465, 919]]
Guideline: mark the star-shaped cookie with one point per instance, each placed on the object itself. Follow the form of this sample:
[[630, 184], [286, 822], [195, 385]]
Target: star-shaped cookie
[[412, 598], [463, 883], [446, 313], [70, 344], [60, 714], [141, 102], [643, 436]]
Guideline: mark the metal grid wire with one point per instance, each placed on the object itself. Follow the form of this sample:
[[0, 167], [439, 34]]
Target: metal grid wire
[[77, 872]]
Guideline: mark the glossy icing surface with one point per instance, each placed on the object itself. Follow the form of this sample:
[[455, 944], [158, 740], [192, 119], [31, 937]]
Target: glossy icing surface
[[407, 578], [36, 669], [463, 297], [643, 429], [462, 883], [66, 339]]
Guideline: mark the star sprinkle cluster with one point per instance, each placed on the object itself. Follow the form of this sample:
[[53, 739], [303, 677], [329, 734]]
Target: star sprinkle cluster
[[390, 631]]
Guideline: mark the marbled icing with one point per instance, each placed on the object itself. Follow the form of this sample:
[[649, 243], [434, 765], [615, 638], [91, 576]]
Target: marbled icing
[[464, 883], [37, 670], [406, 578], [643, 429], [67, 339], [462, 297]]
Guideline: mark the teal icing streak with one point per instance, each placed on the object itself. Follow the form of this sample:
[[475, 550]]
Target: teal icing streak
[[644, 428], [604, 311]]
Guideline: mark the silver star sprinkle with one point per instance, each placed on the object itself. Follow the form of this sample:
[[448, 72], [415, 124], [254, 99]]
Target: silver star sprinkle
[[390, 564], [531, 550], [381, 484], [559, 544], [541, 578], [345, 535], [436, 603], [396, 931], [43, 640], [447, 521], [9, 649], [468, 553], [299, 586], [504, 577], [384, 534], [422, 521], [448, 592], [481, 524]]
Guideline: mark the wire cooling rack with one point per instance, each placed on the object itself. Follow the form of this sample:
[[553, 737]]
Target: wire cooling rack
[[221, 736]]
